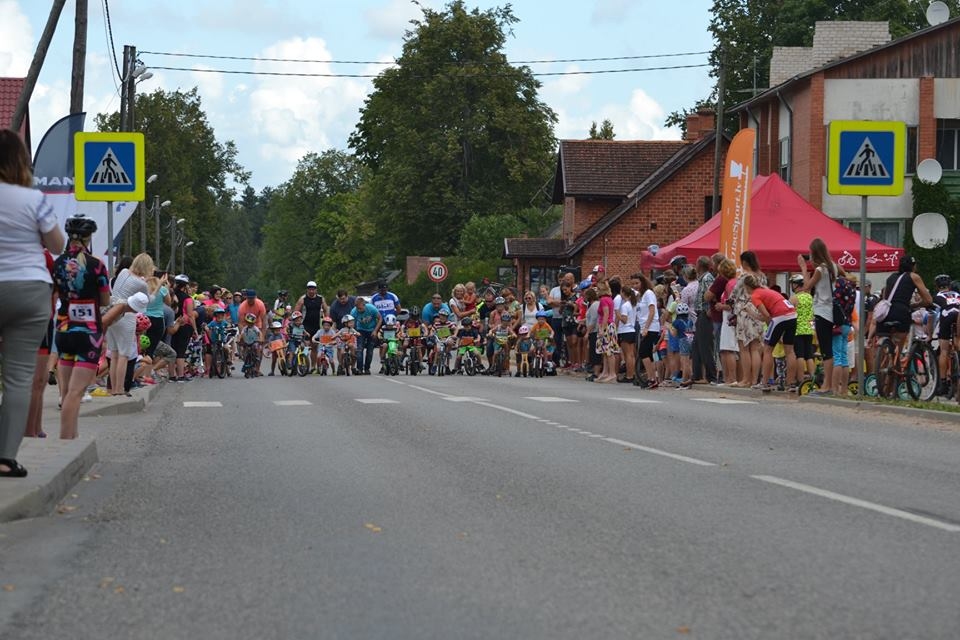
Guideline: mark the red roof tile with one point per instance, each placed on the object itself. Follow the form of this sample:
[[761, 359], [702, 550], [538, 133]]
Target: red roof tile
[[609, 167], [10, 89]]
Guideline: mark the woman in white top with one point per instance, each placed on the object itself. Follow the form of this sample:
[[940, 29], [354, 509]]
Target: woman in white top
[[528, 310], [820, 285], [121, 335], [627, 332], [27, 225], [457, 305], [649, 321]]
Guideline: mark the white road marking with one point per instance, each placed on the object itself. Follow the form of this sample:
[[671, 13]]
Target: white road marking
[[596, 435], [202, 403], [637, 400], [659, 452], [292, 403], [464, 399], [857, 502], [549, 399], [725, 401], [425, 390], [508, 410], [376, 401]]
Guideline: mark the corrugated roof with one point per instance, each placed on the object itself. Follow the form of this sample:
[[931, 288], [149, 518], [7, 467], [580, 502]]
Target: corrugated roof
[[609, 168]]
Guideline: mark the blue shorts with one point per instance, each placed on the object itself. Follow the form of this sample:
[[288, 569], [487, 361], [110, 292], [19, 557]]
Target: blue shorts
[[686, 346], [840, 347]]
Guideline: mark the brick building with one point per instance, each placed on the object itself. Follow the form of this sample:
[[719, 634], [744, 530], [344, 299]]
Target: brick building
[[618, 198], [854, 71]]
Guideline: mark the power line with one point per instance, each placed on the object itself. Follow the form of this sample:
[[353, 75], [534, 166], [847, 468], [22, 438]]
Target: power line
[[361, 75], [113, 48], [381, 62]]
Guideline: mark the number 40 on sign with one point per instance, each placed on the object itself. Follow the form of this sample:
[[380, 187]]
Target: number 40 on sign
[[437, 271]]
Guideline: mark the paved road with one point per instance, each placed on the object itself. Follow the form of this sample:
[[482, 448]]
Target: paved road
[[495, 508]]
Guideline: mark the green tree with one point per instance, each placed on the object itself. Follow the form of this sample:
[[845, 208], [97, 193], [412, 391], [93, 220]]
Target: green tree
[[296, 237], [193, 170], [482, 236], [453, 130], [943, 259], [745, 32], [605, 132]]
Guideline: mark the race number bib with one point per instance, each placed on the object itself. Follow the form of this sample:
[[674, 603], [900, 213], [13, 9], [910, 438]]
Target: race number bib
[[413, 332], [82, 311]]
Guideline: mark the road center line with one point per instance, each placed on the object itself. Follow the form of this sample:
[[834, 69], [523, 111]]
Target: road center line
[[660, 452], [425, 390], [857, 502], [507, 409]]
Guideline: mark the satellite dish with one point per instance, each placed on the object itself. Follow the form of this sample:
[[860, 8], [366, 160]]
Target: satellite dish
[[930, 230], [929, 171], [653, 249], [937, 13]]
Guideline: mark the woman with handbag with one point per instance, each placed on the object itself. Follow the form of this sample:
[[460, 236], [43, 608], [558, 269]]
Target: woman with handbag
[[892, 314], [820, 285]]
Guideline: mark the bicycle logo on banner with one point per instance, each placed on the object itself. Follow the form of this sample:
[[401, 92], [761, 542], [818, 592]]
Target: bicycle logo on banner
[[887, 258]]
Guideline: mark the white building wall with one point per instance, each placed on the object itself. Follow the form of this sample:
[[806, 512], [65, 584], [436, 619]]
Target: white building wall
[[898, 100], [946, 98]]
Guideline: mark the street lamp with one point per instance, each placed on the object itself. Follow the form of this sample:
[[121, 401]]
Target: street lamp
[[155, 210], [183, 255], [174, 223], [143, 218]]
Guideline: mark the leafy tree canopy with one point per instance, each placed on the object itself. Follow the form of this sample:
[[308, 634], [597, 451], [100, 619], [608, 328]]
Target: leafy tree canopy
[[453, 130]]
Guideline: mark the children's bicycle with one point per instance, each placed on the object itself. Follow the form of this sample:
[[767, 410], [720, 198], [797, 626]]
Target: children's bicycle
[[251, 360], [299, 360], [523, 368], [219, 362], [323, 359], [539, 360], [470, 360], [392, 357]]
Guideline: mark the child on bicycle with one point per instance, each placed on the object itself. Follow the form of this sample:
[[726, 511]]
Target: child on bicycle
[[412, 331], [543, 334], [468, 339], [524, 346], [347, 341], [388, 333], [500, 336], [326, 337], [216, 331], [296, 334], [274, 343], [681, 339], [250, 340], [441, 333]]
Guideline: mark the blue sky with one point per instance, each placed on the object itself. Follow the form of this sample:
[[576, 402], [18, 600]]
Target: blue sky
[[275, 121]]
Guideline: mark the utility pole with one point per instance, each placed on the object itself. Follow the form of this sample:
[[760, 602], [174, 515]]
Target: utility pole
[[31, 81], [718, 141], [79, 57]]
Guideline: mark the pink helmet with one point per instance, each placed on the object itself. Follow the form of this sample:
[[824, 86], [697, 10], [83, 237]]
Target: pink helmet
[[143, 323], [524, 330]]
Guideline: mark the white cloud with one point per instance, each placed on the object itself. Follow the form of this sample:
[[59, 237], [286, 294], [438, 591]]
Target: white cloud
[[391, 20], [611, 10], [16, 40], [292, 116], [210, 85], [640, 119]]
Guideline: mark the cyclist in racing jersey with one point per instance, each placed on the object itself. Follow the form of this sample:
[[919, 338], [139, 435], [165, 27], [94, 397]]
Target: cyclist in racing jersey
[[347, 341], [413, 332], [386, 302], [442, 330], [388, 331], [273, 340], [500, 338], [948, 302], [468, 337]]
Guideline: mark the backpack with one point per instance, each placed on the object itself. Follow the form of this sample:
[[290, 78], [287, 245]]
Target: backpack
[[844, 299]]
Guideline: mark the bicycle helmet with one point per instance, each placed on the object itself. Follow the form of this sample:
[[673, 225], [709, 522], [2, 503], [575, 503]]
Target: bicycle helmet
[[683, 309], [219, 311], [80, 226], [499, 300], [524, 330], [403, 316], [796, 279], [466, 321], [276, 324], [296, 315], [144, 341], [143, 323], [541, 314], [443, 312], [390, 320], [942, 280], [505, 317], [250, 317], [347, 318], [414, 311], [184, 278], [282, 292], [327, 320]]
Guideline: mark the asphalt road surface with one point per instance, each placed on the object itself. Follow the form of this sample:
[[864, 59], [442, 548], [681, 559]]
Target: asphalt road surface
[[368, 507]]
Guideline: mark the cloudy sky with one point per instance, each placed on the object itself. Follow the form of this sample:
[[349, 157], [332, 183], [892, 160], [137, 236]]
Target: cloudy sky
[[276, 120]]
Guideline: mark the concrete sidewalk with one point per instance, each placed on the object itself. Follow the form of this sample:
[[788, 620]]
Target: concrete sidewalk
[[56, 465]]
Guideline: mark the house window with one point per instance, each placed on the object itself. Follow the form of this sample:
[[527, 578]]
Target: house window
[[784, 165], [543, 275], [913, 146], [948, 137], [888, 232], [708, 206]]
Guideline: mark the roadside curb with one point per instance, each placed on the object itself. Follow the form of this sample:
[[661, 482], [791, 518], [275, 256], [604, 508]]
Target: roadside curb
[[930, 414], [55, 466]]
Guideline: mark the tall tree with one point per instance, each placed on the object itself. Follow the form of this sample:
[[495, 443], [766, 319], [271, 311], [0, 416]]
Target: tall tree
[[745, 32], [193, 170], [453, 130], [604, 132]]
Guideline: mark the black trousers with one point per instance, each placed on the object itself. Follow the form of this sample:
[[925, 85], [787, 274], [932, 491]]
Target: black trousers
[[704, 364]]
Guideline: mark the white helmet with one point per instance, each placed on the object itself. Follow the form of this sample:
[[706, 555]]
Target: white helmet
[[347, 318], [390, 320], [276, 324]]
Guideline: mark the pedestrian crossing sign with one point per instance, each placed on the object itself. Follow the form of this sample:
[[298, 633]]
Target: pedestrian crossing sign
[[109, 166], [866, 158]]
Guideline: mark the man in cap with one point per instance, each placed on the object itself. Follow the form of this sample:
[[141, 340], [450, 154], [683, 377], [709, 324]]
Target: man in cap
[[254, 305], [314, 308]]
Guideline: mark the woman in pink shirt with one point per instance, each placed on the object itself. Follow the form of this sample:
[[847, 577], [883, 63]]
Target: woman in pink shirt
[[781, 319], [607, 334]]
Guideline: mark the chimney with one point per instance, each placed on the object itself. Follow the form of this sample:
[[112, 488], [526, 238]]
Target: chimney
[[699, 125]]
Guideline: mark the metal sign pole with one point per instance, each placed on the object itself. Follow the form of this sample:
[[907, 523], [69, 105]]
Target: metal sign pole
[[110, 238], [862, 323]]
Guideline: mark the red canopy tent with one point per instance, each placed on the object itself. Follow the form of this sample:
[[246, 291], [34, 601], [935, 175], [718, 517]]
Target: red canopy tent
[[782, 224]]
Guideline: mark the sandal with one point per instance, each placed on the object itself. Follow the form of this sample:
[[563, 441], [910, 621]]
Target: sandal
[[14, 469]]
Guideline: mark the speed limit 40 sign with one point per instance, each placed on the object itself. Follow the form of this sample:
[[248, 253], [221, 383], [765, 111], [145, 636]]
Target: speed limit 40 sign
[[437, 271]]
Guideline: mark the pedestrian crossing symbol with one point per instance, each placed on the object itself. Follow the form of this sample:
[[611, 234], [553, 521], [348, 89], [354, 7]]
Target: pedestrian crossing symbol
[[866, 158], [109, 166]]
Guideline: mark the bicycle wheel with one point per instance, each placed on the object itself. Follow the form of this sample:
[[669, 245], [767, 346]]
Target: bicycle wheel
[[303, 364], [282, 362], [221, 366], [468, 365], [870, 386], [886, 377], [909, 387], [809, 385], [924, 365]]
